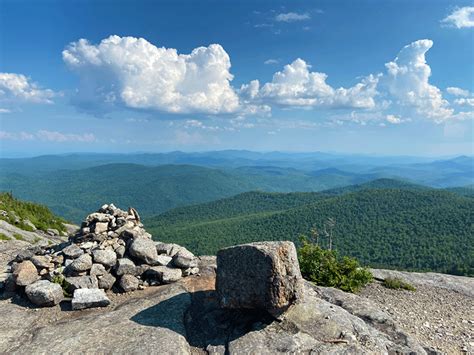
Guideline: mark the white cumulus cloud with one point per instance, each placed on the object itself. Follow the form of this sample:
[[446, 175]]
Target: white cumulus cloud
[[135, 73], [292, 17], [457, 91], [460, 18], [465, 102], [19, 88], [407, 81], [296, 85], [271, 61]]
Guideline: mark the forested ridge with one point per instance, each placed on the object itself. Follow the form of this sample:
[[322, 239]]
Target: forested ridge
[[412, 228]]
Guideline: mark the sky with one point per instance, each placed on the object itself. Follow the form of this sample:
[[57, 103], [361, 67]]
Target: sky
[[367, 77]]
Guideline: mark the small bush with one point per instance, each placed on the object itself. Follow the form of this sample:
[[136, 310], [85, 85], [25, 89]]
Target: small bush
[[4, 237], [324, 268], [61, 281], [18, 236], [36, 240], [397, 284]]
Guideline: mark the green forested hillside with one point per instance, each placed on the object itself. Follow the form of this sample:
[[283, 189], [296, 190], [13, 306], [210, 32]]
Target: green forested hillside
[[416, 229], [75, 193], [18, 212], [153, 189]]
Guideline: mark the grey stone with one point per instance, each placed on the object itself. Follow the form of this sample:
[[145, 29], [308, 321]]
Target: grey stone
[[169, 249], [125, 266], [27, 254], [184, 259], [82, 263], [164, 260], [164, 274], [144, 249], [107, 281], [97, 270], [75, 282], [25, 273], [191, 271], [263, 275], [120, 251], [52, 232], [98, 217], [129, 283], [88, 245], [106, 257], [44, 293], [42, 261], [72, 251], [101, 227], [89, 298]]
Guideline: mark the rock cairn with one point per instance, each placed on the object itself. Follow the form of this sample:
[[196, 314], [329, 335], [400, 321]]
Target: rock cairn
[[111, 251]]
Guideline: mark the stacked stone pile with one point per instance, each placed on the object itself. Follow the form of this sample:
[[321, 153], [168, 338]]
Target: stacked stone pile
[[111, 251]]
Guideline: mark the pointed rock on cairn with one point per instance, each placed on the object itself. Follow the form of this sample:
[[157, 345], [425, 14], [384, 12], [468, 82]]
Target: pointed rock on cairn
[[112, 250]]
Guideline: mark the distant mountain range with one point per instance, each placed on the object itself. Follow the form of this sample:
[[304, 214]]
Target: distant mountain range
[[71, 185], [384, 223]]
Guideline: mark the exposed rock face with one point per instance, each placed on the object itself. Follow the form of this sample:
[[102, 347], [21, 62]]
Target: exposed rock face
[[87, 298], [44, 293], [262, 275], [185, 317], [461, 284]]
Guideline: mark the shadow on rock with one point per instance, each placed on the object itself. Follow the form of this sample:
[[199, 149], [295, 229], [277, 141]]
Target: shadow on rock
[[204, 323]]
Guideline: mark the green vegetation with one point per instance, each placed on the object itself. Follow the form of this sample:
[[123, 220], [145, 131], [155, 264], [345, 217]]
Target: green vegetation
[[397, 284], [19, 211], [18, 236], [4, 237], [418, 229], [325, 268], [61, 281], [153, 190]]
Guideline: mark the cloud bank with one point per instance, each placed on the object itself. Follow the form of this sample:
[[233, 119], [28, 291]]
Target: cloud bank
[[133, 73]]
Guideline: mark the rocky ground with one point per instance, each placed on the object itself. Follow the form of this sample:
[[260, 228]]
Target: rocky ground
[[186, 316], [439, 317]]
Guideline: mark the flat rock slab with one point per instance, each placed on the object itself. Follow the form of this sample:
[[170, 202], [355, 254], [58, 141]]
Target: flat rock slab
[[146, 325], [89, 298], [461, 284]]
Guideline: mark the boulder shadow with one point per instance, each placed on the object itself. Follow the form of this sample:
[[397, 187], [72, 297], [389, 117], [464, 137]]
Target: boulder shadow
[[203, 322]]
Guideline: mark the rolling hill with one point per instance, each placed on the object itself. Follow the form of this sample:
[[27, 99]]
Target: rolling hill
[[73, 193], [406, 227]]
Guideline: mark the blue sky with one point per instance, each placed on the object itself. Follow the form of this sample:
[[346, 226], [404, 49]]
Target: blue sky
[[379, 77]]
